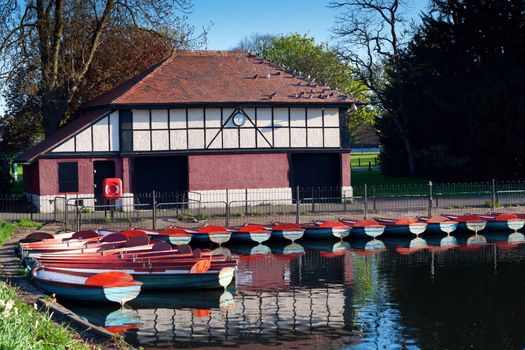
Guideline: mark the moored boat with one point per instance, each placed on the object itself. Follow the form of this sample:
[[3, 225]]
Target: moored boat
[[364, 228], [402, 226], [174, 235], [326, 230], [211, 234], [286, 231], [439, 224], [503, 222], [468, 222], [111, 286], [250, 233]]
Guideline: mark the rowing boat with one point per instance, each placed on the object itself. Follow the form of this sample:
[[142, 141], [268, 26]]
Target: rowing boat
[[326, 230], [364, 228], [402, 226], [110, 286], [286, 231], [250, 233]]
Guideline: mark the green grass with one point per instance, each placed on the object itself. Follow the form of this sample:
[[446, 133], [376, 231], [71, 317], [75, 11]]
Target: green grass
[[7, 229], [22, 326], [361, 160], [376, 178]]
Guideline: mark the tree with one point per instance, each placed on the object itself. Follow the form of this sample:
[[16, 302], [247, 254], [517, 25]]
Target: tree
[[303, 55], [63, 39], [370, 38], [460, 84], [256, 43]]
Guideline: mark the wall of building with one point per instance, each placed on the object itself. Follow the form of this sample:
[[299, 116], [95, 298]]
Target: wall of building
[[238, 171], [31, 178]]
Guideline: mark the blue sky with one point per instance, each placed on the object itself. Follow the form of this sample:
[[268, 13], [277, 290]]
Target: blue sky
[[229, 21], [232, 20]]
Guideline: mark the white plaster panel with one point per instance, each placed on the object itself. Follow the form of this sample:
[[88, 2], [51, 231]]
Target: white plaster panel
[[298, 137], [248, 137], [140, 119], [114, 131], [264, 117], [231, 138], [159, 118], [281, 137], [141, 140], [83, 141], [195, 118], [210, 135], [331, 138], [297, 117], [315, 137], [315, 116], [101, 135], [213, 117], [280, 116], [196, 139], [160, 140], [68, 146], [178, 139], [250, 113], [261, 142], [331, 117], [177, 118]]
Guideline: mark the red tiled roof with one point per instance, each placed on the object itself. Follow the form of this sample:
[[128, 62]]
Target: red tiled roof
[[218, 77], [60, 135]]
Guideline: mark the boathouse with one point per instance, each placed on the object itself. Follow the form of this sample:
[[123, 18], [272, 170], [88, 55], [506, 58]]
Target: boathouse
[[199, 122]]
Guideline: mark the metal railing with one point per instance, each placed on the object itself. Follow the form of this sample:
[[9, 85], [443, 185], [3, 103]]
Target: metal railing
[[157, 210]]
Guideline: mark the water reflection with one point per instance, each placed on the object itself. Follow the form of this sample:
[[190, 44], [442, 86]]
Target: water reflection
[[355, 294]]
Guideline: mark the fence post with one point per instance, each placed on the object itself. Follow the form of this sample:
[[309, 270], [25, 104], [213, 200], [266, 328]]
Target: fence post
[[227, 208], [313, 201], [78, 215], [374, 199], [245, 201], [66, 216], [154, 213], [430, 199], [297, 206], [366, 202], [31, 206], [493, 195]]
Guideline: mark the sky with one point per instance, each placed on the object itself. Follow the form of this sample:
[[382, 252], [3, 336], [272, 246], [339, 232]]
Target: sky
[[229, 21]]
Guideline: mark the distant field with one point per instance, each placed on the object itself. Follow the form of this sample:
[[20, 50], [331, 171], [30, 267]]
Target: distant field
[[376, 178], [362, 160]]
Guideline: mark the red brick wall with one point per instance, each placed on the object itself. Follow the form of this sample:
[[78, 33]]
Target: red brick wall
[[231, 171], [345, 169], [48, 169]]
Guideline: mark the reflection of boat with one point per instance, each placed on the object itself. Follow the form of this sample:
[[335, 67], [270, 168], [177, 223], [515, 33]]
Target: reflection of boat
[[211, 299], [472, 241], [251, 250], [290, 249], [402, 226], [326, 230], [505, 240], [114, 286], [116, 321], [328, 249], [367, 246], [439, 224], [364, 228], [222, 251]]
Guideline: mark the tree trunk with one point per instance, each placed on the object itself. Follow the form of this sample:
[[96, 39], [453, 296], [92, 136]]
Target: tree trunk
[[51, 116]]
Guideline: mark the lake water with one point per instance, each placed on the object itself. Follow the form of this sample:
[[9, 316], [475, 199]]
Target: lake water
[[339, 295]]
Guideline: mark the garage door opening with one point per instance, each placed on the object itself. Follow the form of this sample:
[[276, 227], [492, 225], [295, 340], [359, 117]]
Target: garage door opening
[[318, 175]]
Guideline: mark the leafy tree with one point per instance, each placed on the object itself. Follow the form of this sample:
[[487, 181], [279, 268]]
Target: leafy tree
[[255, 43], [62, 39], [460, 85], [317, 61]]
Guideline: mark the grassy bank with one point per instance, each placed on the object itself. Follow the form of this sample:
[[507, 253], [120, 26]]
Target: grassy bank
[[21, 325]]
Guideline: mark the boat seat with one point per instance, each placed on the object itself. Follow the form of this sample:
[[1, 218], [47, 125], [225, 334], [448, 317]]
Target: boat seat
[[137, 241], [111, 245], [114, 237], [197, 253], [159, 245], [184, 249], [85, 234]]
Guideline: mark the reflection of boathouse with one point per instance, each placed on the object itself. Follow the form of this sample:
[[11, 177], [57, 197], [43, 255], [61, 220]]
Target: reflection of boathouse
[[276, 301]]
